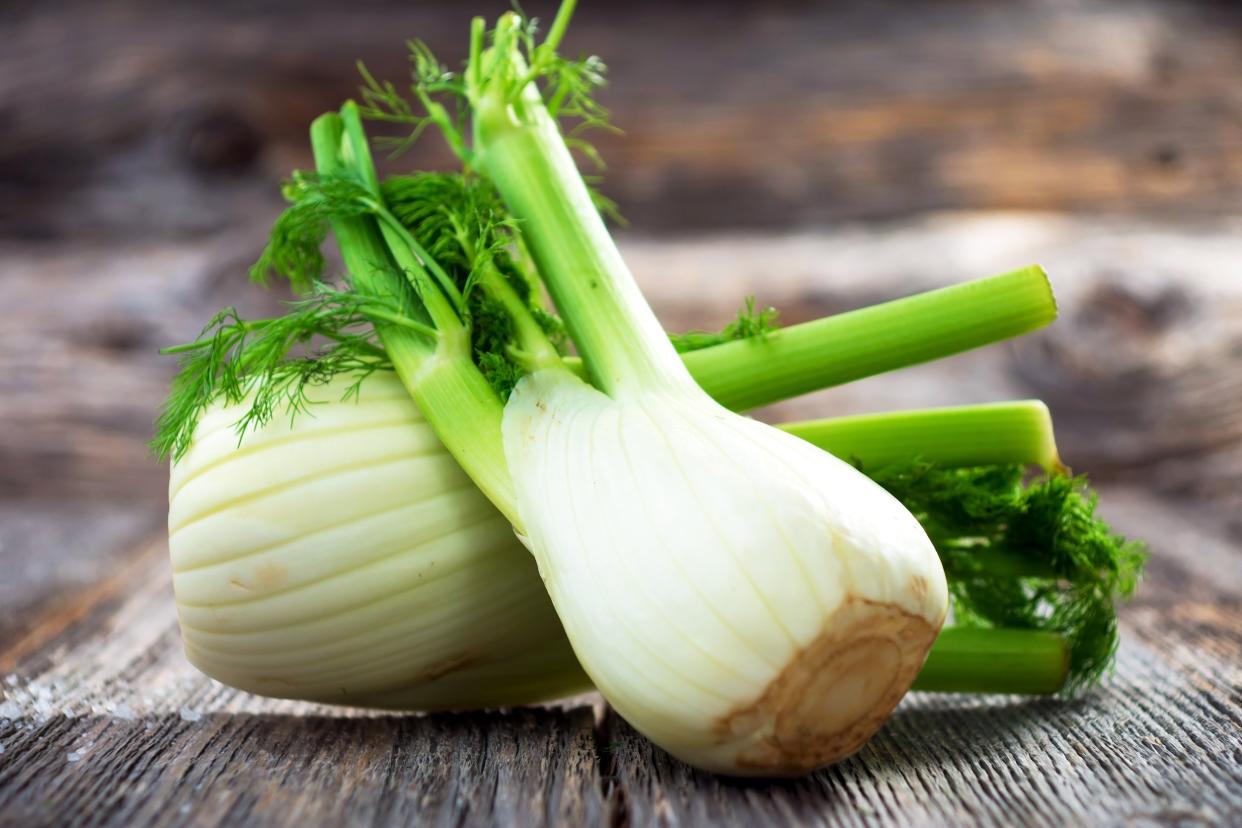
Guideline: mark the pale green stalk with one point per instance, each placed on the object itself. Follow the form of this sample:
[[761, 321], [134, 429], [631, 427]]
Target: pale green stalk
[[967, 435], [849, 346]]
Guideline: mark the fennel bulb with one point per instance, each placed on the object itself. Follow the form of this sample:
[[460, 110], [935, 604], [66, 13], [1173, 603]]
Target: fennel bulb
[[750, 604], [748, 601], [345, 557]]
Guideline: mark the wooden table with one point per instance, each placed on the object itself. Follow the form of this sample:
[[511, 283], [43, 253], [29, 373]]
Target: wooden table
[[1102, 141]]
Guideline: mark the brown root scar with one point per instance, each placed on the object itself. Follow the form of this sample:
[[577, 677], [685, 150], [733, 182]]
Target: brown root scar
[[835, 693]]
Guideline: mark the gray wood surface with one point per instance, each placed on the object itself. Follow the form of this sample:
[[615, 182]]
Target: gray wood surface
[[104, 723], [180, 117], [819, 156]]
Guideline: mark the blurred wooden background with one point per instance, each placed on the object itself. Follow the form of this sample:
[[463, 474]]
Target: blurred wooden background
[[820, 156], [165, 119]]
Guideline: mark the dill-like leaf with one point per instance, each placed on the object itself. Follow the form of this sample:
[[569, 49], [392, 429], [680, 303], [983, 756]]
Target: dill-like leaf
[[748, 323], [458, 221], [382, 102], [441, 98], [429, 73], [269, 363], [570, 84], [293, 249], [462, 223], [1028, 555], [440, 93], [501, 373], [569, 88]]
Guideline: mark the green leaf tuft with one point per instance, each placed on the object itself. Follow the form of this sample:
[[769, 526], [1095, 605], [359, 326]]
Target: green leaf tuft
[[462, 223], [1028, 555], [293, 250], [748, 323], [271, 362]]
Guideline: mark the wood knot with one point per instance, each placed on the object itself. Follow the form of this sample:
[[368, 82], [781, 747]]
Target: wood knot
[[118, 335], [1132, 312], [218, 140]]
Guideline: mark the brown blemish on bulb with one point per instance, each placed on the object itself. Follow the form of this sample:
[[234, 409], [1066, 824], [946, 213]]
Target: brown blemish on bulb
[[918, 587], [449, 665], [835, 693], [270, 576], [266, 578]]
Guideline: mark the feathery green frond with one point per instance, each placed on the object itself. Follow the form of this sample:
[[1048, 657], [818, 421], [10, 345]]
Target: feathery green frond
[[439, 92], [462, 223], [748, 323], [458, 221], [1028, 555], [442, 98], [273, 361], [293, 250]]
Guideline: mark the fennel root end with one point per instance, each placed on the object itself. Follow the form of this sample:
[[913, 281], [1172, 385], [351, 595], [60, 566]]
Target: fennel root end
[[834, 694]]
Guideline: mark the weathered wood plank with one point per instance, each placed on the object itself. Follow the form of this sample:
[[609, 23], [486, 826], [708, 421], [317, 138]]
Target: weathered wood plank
[[185, 115], [57, 561], [522, 768], [107, 724], [81, 379]]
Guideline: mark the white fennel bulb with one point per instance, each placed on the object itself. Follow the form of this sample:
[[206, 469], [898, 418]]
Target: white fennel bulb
[[749, 602], [746, 601], [345, 557]]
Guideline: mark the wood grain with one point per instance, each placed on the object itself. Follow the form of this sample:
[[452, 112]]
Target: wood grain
[[179, 118], [58, 562], [107, 724]]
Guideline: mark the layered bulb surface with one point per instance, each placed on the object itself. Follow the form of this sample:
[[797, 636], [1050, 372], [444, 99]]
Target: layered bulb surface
[[345, 557], [748, 602]]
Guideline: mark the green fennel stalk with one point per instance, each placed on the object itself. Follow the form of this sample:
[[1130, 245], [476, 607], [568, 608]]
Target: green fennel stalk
[[441, 376], [761, 364]]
